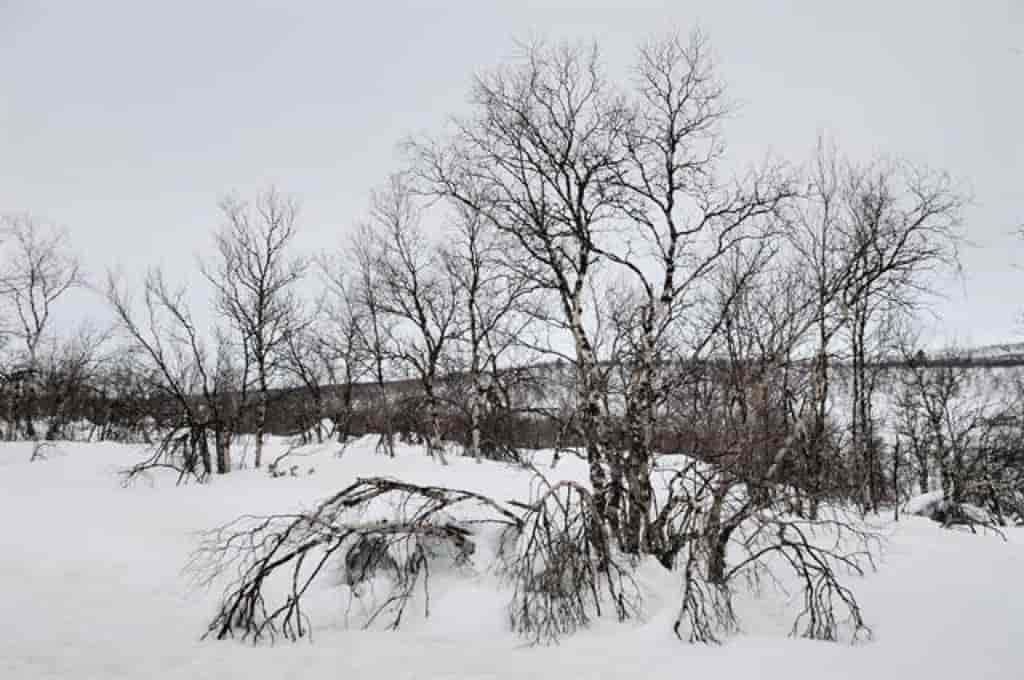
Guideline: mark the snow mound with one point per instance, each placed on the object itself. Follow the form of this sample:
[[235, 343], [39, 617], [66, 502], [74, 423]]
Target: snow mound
[[924, 504], [934, 506]]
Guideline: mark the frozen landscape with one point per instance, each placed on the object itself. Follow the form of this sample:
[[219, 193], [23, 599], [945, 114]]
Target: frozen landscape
[[569, 339], [94, 587]]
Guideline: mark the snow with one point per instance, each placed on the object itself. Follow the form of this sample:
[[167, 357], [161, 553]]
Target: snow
[[923, 504], [931, 503], [92, 586]]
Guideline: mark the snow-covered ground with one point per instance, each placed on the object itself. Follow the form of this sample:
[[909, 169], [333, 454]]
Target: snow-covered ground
[[92, 586]]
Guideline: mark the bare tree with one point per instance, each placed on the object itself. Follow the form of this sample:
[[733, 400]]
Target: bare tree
[[956, 429], [38, 269], [682, 222], [326, 357], [902, 223], [305, 362], [254, 276], [579, 175], [401, 546], [867, 236], [494, 301], [821, 251], [125, 406], [544, 147], [413, 288], [344, 341], [376, 334], [194, 374], [68, 370]]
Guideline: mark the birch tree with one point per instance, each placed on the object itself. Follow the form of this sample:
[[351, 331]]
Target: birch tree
[[583, 176], [377, 332], [545, 145], [902, 223], [681, 220], [413, 288], [345, 340], [493, 310], [254, 276]]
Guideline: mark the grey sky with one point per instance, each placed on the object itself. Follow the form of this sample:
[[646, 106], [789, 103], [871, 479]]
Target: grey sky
[[125, 121]]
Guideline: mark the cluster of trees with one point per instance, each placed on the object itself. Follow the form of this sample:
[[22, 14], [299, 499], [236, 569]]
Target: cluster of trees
[[744, 320], [959, 432], [53, 385], [688, 300], [573, 259]]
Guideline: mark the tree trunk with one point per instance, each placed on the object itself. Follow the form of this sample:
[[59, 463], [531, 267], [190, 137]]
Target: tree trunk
[[640, 422], [223, 445], [640, 493], [923, 476], [716, 536], [474, 423], [896, 481], [434, 444], [11, 420], [343, 429], [261, 422], [593, 431], [200, 450], [29, 411]]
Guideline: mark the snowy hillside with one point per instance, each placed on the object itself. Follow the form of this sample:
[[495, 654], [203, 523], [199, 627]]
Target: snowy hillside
[[93, 587]]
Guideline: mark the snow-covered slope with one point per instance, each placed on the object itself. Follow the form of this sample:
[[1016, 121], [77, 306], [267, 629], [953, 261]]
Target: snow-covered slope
[[91, 586]]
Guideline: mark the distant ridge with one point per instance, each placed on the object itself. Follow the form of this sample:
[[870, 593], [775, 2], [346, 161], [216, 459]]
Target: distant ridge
[[1008, 349]]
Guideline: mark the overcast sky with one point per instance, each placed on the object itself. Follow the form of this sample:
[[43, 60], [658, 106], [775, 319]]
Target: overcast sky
[[125, 121]]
